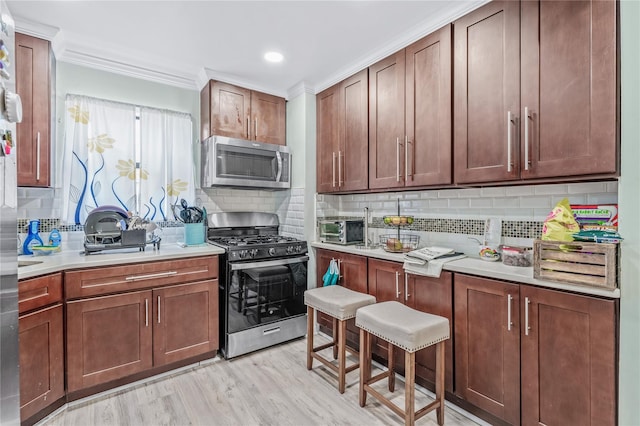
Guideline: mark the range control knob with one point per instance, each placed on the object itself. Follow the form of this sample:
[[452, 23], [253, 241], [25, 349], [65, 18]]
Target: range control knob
[[298, 248], [272, 251], [290, 249], [253, 253], [242, 254]]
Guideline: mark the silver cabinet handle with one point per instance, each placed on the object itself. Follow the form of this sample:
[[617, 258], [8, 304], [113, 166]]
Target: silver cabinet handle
[[248, 120], [150, 276], [397, 285], [397, 159], [146, 312], [340, 181], [509, 166], [340, 269], [158, 309], [38, 156], [255, 135], [333, 173], [509, 323], [526, 316], [526, 138], [406, 287], [407, 173]]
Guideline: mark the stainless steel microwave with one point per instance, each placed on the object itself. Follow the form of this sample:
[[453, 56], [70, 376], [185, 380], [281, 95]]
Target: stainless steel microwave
[[341, 231], [240, 163]]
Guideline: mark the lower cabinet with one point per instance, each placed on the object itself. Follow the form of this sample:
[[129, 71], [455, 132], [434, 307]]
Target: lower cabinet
[[534, 356], [353, 275], [41, 359], [387, 282], [110, 337]]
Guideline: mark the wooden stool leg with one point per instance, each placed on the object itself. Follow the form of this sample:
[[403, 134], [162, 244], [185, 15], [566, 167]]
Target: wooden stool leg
[[335, 338], [409, 388], [310, 311], [365, 365], [440, 381], [392, 374], [342, 342]]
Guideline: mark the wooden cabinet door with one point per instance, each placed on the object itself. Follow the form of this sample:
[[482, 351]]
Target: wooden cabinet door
[[487, 347], [433, 296], [386, 283], [185, 321], [108, 337], [268, 119], [569, 88], [428, 153], [353, 275], [353, 272], [33, 133], [386, 122], [353, 162], [486, 88], [230, 110], [41, 360], [327, 139], [568, 358]]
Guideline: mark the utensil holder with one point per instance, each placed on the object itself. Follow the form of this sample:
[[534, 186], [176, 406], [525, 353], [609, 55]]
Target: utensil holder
[[194, 233]]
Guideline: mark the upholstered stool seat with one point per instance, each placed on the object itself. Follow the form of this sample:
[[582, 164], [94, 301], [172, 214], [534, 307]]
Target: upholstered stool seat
[[410, 330], [341, 304]]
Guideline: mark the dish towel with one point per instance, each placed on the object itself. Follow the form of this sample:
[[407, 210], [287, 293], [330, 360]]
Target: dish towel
[[431, 268]]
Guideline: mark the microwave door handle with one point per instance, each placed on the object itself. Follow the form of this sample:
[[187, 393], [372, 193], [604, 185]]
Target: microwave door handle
[[279, 160]]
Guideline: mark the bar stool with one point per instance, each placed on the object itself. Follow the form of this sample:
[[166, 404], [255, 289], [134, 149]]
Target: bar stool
[[406, 329], [341, 304]]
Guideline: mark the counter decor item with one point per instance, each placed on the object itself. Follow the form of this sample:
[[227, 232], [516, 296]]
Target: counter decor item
[[517, 256], [591, 264], [399, 243]]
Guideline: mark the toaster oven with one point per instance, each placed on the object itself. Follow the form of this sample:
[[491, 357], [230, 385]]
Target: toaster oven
[[341, 231]]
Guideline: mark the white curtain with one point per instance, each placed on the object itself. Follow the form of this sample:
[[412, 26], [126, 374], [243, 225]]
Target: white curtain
[[166, 159], [99, 157]]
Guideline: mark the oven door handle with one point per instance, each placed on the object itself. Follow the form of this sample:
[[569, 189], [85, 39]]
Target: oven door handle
[[267, 263]]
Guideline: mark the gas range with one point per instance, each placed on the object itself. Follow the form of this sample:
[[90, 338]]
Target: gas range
[[251, 236], [259, 246], [263, 277]]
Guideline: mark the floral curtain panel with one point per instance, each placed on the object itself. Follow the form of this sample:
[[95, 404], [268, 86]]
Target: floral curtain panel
[[103, 166], [98, 164], [166, 162]]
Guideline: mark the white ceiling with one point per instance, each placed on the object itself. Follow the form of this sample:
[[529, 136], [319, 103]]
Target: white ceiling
[[185, 43]]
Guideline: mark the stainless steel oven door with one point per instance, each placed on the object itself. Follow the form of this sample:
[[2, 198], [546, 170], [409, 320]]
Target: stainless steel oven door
[[264, 292]]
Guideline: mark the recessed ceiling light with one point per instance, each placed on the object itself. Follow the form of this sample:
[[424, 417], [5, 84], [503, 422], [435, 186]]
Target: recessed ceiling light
[[273, 57]]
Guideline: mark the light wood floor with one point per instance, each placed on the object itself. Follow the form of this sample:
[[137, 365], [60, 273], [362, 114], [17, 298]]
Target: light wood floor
[[269, 387]]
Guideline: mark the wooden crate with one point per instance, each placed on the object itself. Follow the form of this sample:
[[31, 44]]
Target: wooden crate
[[592, 264]]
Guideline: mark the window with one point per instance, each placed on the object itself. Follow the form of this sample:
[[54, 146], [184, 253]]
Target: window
[[136, 158]]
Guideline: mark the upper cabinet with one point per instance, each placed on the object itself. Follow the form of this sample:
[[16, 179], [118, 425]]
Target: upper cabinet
[[33, 70], [535, 89], [342, 135], [410, 115], [227, 110]]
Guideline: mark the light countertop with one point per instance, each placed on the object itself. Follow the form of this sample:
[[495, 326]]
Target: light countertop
[[73, 259], [475, 266]]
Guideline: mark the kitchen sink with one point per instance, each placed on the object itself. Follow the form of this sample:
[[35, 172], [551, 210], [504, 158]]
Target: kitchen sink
[[28, 262]]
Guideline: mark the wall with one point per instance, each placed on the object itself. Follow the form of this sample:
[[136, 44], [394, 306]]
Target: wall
[[629, 388], [451, 217]]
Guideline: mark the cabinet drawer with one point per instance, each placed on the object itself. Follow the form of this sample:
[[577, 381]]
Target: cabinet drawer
[[37, 292], [112, 279]]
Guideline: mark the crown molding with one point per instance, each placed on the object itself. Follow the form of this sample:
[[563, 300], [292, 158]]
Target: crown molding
[[36, 29], [127, 69], [299, 89], [415, 33]]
